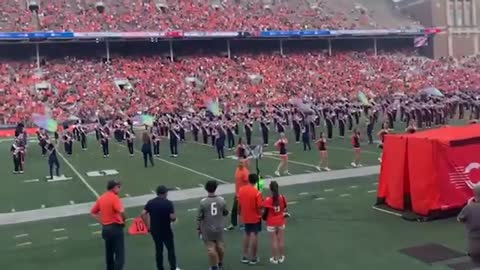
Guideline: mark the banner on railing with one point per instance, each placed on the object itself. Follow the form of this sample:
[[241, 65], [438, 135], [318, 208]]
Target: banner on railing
[[178, 34]]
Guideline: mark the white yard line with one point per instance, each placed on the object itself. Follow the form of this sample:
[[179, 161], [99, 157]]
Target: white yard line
[[58, 230], [79, 175], [350, 150], [319, 199], [181, 195], [61, 238], [303, 193], [345, 195], [24, 244], [21, 235], [386, 211], [329, 190], [32, 181], [94, 224], [294, 162], [372, 191], [192, 209], [183, 167]]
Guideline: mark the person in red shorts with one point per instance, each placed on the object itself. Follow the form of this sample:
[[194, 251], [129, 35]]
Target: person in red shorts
[[275, 208], [356, 148], [250, 206]]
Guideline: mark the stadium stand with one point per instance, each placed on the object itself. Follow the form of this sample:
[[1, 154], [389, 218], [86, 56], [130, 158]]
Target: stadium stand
[[130, 84], [232, 15]]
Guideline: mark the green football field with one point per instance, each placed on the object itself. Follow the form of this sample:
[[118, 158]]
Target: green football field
[[333, 224]]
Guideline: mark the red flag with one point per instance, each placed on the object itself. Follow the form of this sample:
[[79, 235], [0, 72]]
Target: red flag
[[138, 227]]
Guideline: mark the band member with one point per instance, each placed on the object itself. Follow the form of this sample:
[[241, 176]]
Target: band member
[[296, 128], [329, 124], [381, 136], [306, 137], [68, 142], [341, 125], [264, 129], [322, 149], [147, 149], [17, 153], [220, 142], [356, 148], [230, 135], [248, 131], [53, 160], [181, 132], [213, 134], [42, 140], [83, 137], [156, 141], [241, 150], [412, 128], [97, 131], [281, 146], [195, 130], [129, 137], [174, 138], [205, 133], [104, 140], [370, 124]]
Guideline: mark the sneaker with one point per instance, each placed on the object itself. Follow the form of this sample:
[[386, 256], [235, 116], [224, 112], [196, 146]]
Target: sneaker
[[21, 172], [15, 172], [131, 155], [281, 259], [318, 168], [380, 160], [229, 228], [287, 173], [254, 261], [359, 165], [327, 169], [353, 164], [244, 260], [277, 173], [286, 215], [273, 261], [104, 156]]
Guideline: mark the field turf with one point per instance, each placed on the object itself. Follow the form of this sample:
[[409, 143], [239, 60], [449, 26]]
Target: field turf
[[333, 224]]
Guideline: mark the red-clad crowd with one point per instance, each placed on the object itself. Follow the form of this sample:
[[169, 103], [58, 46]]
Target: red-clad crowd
[[188, 15], [86, 87]]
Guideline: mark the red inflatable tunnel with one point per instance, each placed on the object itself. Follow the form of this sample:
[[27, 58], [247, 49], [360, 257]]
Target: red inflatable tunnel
[[432, 171]]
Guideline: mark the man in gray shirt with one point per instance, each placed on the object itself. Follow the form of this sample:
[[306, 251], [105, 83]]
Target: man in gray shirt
[[211, 221], [470, 216]]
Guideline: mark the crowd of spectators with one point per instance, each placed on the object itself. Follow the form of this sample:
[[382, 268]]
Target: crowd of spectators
[[84, 87], [187, 15]]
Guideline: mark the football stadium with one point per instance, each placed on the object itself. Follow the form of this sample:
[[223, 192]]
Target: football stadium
[[356, 122]]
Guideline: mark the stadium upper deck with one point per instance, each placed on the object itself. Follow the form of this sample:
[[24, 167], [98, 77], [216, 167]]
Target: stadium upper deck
[[232, 15]]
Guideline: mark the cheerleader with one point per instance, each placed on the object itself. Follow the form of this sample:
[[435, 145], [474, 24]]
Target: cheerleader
[[67, 139], [281, 146], [412, 128], [322, 148], [129, 137], [356, 148], [104, 137], [174, 138], [156, 141], [381, 136], [17, 153]]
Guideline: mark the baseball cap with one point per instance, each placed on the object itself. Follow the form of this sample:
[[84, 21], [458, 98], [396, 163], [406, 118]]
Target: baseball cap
[[112, 184], [162, 190]]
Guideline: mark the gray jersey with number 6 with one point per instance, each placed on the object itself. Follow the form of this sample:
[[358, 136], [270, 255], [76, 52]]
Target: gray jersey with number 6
[[211, 216]]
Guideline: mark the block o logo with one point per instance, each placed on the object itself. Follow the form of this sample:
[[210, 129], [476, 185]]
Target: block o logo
[[473, 172]]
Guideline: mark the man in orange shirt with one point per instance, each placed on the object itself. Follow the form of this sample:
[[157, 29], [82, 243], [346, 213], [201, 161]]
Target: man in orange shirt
[[250, 201], [108, 210], [241, 179]]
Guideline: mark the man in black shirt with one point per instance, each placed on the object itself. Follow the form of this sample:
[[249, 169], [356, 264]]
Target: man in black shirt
[[158, 214]]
